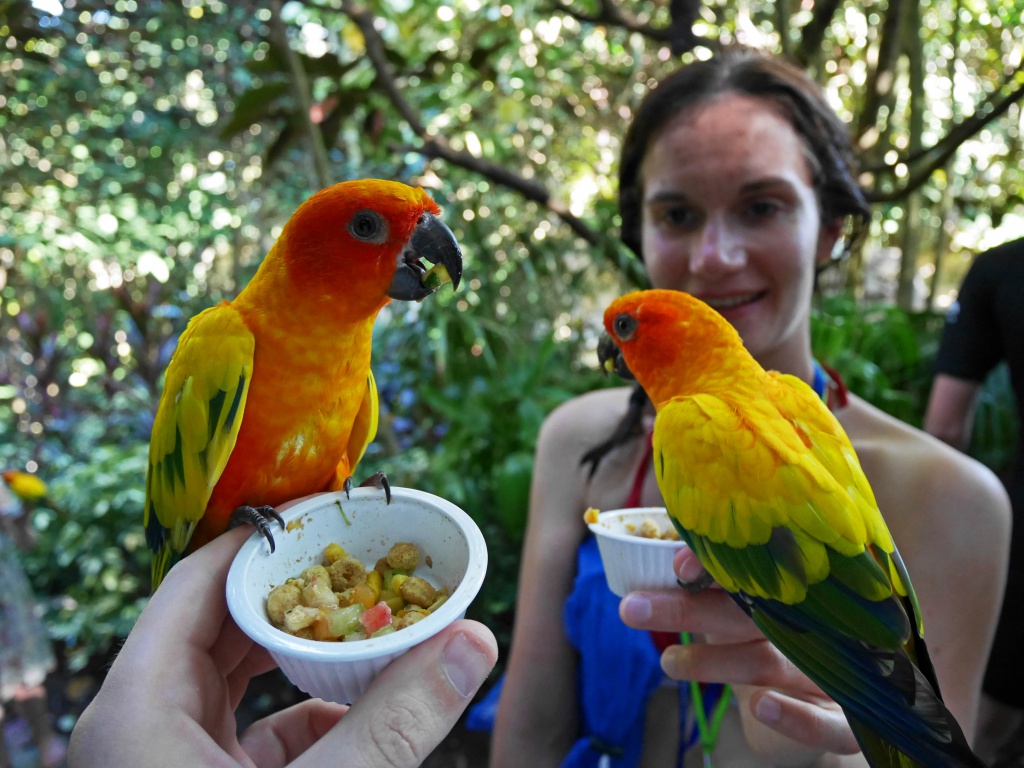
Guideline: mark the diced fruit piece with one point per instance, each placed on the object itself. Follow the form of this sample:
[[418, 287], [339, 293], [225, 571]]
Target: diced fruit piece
[[364, 595], [300, 617], [344, 621], [334, 552], [436, 276], [376, 617]]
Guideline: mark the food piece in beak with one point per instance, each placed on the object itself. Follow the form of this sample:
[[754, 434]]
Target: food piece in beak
[[610, 358], [431, 241]]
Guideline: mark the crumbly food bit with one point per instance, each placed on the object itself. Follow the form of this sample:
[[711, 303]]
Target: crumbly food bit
[[649, 529], [418, 592], [340, 600], [590, 516], [346, 572], [404, 556]]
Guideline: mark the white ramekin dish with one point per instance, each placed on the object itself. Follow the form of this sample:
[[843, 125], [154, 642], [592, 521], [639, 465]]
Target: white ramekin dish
[[453, 554], [632, 562]]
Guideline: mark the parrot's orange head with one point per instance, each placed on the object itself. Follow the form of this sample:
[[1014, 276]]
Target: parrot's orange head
[[365, 242], [671, 342]]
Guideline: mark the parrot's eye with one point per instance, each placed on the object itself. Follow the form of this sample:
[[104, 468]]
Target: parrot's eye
[[624, 326], [368, 226]]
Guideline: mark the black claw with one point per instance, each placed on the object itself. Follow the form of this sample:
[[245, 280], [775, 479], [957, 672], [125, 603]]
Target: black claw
[[347, 488], [257, 517], [378, 480], [698, 586]]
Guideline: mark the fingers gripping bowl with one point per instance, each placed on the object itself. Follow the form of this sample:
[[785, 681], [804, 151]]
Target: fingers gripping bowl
[[450, 542], [632, 560]]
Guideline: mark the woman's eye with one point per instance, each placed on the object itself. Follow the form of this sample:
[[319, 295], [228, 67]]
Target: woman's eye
[[762, 209], [677, 217]]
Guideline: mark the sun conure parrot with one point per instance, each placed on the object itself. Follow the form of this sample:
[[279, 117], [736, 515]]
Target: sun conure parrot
[[763, 484], [27, 487], [270, 396]]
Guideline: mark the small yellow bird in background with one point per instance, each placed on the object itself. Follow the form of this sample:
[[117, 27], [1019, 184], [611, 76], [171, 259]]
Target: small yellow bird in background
[[764, 485], [270, 397], [27, 487]]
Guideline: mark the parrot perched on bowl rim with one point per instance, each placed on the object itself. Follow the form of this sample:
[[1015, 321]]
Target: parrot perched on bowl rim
[[270, 396], [765, 487]]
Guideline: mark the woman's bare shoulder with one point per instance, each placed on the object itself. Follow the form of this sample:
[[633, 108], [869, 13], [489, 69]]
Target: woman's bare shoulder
[[912, 473], [587, 418]]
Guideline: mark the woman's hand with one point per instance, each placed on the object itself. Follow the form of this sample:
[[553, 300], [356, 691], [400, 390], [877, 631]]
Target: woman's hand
[[170, 697], [786, 717]]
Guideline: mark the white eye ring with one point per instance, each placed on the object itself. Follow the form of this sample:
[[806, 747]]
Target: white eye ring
[[368, 226]]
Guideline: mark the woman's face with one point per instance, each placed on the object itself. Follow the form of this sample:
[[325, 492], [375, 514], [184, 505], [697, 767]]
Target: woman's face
[[730, 216]]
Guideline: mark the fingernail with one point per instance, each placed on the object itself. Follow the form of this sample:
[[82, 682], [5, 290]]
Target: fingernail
[[465, 666], [691, 570], [674, 661], [768, 710], [636, 609]]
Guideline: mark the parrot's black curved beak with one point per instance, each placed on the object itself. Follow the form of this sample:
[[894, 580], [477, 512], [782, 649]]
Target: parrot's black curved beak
[[610, 358], [431, 241]]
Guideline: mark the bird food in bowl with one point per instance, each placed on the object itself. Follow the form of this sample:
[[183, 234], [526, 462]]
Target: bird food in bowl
[[637, 547], [286, 601]]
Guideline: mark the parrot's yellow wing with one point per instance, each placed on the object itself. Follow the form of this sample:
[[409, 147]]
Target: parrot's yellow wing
[[364, 428], [195, 428], [743, 482]]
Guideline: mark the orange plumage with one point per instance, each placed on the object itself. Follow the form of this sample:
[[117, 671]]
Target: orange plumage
[[270, 396]]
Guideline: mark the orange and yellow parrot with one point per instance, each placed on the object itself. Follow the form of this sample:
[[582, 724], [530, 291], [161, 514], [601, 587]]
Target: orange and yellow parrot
[[763, 484], [27, 487], [270, 396]]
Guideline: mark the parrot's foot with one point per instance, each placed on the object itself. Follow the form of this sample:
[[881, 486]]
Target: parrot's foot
[[259, 518], [377, 480], [697, 586]]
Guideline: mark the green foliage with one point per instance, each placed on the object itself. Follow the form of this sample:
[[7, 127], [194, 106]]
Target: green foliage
[[996, 422], [887, 356], [91, 557]]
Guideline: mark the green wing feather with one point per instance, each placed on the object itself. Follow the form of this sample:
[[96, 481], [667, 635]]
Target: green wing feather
[[195, 428], [364, 428]]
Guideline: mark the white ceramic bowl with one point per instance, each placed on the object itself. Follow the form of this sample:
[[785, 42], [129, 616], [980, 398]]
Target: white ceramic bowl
[[366, 527], [631, 561]]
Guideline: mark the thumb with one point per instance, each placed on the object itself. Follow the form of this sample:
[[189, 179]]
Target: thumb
[[413, 704]]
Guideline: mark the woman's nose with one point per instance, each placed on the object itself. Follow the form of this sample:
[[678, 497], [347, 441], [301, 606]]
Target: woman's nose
[[719, 250]]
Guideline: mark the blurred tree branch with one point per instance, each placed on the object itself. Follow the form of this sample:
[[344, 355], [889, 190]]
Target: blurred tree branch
[[612, 15], [438, 147], [925, 162], [303, 94]]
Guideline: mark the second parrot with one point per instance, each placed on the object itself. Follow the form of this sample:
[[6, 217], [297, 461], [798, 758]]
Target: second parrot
[[765, 487]]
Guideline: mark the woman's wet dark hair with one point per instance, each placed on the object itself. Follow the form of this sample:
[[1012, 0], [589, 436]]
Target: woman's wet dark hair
[[746, 71], [802, 102]]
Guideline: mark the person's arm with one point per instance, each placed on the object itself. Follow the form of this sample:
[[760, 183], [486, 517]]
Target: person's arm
[[537, 719], [169, 698], [950, 414], [950, 517]]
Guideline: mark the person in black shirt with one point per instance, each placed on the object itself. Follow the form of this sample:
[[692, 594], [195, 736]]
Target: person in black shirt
[[983, 328]]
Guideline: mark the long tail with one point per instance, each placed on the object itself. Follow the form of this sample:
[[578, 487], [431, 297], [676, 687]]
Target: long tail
[[882, 754]]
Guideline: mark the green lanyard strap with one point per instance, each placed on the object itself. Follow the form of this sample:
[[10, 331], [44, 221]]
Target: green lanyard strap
[[707, 731]]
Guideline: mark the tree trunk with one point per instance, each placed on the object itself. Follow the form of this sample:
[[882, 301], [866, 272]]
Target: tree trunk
[[946, 206], [881, 81], [913, 209]]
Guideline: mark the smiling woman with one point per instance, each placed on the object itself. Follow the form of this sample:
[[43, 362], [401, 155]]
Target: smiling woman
[[736, 184]]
